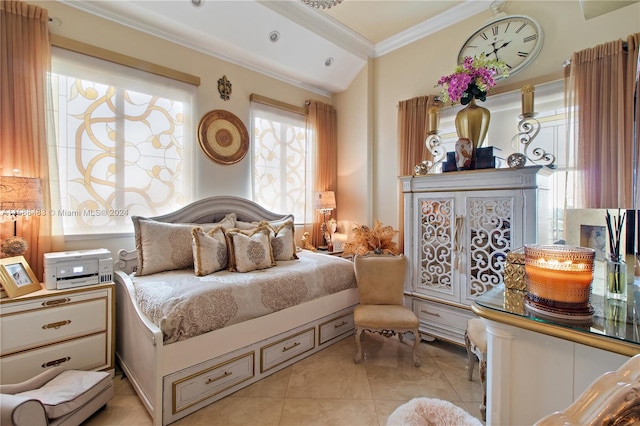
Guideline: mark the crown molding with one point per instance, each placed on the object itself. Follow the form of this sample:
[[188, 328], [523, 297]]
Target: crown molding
[[431, 26]]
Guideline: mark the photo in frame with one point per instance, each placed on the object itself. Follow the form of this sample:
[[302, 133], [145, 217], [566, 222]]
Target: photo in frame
[[588, 228], [16, 276]]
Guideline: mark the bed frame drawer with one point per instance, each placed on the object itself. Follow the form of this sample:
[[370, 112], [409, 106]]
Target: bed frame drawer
[[283, 350], [335, 327], [211, 381]]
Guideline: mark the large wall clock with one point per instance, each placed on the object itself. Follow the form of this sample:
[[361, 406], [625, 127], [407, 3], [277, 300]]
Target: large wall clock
[[515, 39]]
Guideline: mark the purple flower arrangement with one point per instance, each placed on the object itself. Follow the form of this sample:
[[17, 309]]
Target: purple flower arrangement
[[472, 79]]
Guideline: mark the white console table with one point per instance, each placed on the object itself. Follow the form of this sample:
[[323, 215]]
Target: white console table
[[538, 365]]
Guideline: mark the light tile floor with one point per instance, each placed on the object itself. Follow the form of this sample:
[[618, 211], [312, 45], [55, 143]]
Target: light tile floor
[[328, 388]]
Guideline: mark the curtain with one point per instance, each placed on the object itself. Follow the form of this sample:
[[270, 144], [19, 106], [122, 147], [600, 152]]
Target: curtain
[[413, 123], [599, 85], [25, 61], [323, 136]]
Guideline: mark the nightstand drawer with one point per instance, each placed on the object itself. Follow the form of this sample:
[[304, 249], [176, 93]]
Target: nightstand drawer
[[35, 328], [336, 327], [88, 353], [282, 351]]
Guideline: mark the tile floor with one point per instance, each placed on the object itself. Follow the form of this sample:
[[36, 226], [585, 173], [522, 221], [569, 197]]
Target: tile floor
[[328, 388]]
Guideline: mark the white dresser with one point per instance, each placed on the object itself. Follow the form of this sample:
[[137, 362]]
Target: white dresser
[[458, 228], [73, 328]]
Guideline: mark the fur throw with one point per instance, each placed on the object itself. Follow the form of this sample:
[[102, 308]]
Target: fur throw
[[431, 412]]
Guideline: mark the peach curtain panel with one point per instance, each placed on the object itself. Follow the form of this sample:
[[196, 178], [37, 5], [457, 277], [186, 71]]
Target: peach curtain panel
[[323, 136], [25, 61], [600, 84], [412, 132]]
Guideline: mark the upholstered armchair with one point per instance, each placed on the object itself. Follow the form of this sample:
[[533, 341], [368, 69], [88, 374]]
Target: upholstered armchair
[[380, 280], [55, 397]]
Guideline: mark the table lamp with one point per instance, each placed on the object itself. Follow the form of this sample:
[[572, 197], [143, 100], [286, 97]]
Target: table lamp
[[19, 196], [325, 202]]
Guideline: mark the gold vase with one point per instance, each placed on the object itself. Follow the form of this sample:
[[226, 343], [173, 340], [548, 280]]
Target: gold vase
[[472, 122]]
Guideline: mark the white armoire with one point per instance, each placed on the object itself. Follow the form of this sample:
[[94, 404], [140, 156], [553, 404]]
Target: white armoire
[[458, 229]]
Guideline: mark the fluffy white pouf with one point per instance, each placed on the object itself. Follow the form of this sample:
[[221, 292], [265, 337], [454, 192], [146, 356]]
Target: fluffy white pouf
[[431, 412]]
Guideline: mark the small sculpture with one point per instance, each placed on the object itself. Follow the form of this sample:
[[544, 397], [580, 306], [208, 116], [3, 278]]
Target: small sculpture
[[306, 242]]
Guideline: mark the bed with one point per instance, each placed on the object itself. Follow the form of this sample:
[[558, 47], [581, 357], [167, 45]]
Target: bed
[[300, 304]]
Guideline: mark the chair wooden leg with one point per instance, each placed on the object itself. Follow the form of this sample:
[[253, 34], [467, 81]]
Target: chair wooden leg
[[471, 357], [416, 341], [358, 356]]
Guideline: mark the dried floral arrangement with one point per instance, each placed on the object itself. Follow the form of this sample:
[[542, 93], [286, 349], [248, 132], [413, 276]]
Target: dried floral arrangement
[[377, 240]]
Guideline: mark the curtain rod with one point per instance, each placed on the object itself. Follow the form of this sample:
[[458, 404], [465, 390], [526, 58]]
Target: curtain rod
[[276, 103], [567, 62]]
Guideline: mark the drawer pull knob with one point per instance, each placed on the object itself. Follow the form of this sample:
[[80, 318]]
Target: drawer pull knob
[[226, 373], [56, 362], [435, 314], [56, 302], [341, 324], [290, 347], [56, 325]]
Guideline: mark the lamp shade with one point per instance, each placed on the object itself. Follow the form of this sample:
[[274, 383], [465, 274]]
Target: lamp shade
[[325, 200], [20, 193]]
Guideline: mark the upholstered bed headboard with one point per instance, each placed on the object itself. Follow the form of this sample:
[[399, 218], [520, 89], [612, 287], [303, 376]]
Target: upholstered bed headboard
[[207, 210]]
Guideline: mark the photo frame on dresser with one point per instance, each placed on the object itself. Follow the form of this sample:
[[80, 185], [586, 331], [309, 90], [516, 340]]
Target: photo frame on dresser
[[588, 228], [16, 276]]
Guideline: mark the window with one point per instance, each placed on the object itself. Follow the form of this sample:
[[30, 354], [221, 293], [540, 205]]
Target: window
[[281, 159], [120, 138]]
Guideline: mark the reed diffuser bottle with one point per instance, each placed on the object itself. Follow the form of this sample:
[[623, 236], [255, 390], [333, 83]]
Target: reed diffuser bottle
[[616, 278]]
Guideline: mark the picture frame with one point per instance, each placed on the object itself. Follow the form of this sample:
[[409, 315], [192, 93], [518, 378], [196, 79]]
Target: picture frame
[[16, 276], [588, 228]]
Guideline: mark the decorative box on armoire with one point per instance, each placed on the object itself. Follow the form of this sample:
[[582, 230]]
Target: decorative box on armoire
[[458, 229]]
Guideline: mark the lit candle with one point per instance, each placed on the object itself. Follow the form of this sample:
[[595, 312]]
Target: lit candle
[[434, 119], [527, 100]]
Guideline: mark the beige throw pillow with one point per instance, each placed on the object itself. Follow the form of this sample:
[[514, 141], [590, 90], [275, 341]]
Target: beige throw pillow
[[210, 252], [167, 246], [250, 250], [283, 241]]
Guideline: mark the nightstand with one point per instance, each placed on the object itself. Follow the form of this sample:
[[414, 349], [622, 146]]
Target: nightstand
[[73, 328]]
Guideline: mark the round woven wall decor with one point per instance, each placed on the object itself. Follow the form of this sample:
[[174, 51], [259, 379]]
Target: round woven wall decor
[[223, 137]]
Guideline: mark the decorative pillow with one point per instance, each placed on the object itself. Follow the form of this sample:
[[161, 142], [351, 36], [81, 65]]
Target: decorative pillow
[[283, 241], [167, 246], [209, 250], [250, 250], [253, 225]]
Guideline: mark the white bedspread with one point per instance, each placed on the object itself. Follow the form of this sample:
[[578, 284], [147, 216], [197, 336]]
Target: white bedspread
[[184, 305]]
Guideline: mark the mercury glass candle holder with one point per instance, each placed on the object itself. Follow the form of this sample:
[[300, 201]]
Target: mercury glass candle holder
[[559, 278]]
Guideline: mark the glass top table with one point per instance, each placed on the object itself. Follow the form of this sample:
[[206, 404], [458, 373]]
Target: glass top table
[[614, 325]]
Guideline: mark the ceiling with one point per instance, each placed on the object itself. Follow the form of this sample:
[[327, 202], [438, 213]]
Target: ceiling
[[318, 49], [321, 50]]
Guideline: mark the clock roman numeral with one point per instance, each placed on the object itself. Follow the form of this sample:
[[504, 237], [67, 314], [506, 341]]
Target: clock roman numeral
[[521, 27], [523, 54], [484, 36], [508, 66], [494, 30], [507, 27], [530, 38]]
